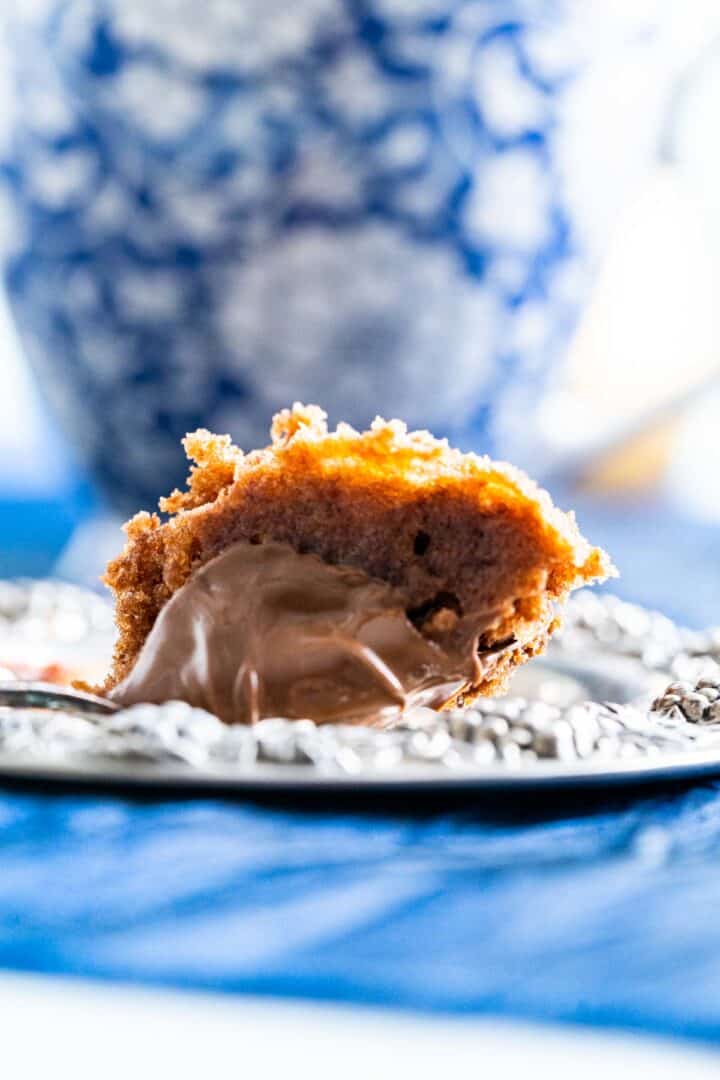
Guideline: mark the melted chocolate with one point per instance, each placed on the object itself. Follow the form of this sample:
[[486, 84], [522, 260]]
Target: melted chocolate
[[264, 631]]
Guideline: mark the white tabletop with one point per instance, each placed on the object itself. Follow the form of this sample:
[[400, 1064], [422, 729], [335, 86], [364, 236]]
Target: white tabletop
[[78, 1029]]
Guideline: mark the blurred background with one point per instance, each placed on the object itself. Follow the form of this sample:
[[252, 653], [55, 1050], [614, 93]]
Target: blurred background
[[500, 220]]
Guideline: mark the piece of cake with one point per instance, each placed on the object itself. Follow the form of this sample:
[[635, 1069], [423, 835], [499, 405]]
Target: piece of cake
[[340, 575]]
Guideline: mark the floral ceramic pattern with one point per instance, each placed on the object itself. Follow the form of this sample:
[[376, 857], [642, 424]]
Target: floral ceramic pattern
[[354, 203]]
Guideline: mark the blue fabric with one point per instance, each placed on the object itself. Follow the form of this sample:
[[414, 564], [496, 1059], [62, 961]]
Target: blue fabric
[[35, 531], [603, 914], [594, 908]]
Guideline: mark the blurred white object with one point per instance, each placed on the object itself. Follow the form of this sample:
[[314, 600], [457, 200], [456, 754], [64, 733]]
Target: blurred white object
[[640, 373], [692, 483], [93, 544], [652, 331], [92, 1029], [31, 461], [693, 480]]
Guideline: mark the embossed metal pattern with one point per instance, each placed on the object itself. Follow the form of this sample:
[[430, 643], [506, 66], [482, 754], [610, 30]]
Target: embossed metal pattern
[[550, 736]]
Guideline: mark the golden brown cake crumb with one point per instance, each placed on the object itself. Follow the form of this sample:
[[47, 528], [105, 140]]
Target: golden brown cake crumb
[[457, 533]]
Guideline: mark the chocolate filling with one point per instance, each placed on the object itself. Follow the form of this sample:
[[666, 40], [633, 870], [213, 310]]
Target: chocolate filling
[[262, 630]]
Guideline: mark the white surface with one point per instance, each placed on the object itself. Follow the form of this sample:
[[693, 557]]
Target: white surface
[[58, 1028], [30, 463]]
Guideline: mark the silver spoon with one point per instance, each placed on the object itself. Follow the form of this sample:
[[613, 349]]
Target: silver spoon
[[39, 695]]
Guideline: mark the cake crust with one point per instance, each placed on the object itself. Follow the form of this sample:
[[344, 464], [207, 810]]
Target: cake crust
[[457, 532]]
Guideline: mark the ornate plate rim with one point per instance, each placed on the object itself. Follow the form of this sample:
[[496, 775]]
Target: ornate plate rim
[[607, 645], [277, 778]]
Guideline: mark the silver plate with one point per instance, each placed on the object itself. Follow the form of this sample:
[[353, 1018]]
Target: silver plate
[[295, 778], [555, 730]]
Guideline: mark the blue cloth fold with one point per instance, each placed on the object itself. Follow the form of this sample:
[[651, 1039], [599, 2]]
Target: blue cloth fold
[[603, 913]]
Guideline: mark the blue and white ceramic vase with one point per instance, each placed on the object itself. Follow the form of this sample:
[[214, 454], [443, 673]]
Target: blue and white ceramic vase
[[216, 209]]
